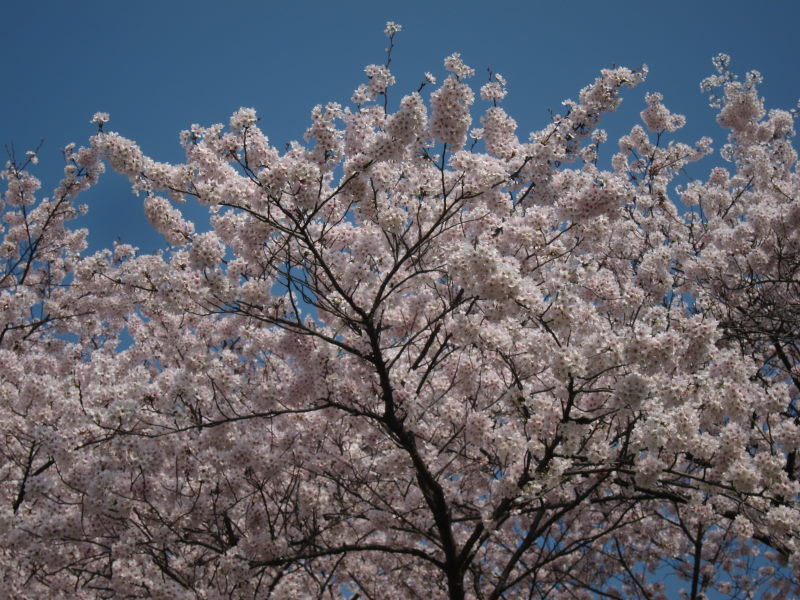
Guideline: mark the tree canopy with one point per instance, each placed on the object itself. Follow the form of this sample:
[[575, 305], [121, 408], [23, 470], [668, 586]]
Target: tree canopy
[[409, 358]]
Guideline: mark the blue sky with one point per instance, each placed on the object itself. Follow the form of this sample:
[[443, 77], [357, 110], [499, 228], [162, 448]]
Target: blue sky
[[158, 67]]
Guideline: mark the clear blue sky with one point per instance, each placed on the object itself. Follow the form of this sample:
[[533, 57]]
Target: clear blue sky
[[159, 66]]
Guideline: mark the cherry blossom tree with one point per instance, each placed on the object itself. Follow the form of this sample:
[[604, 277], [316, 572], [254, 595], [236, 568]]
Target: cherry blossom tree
[[411, 359]]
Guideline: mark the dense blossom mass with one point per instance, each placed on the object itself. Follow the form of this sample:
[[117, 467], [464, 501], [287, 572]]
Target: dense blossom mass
[[411, 358]]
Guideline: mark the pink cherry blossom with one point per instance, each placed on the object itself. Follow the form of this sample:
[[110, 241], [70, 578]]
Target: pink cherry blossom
[[394, 366]]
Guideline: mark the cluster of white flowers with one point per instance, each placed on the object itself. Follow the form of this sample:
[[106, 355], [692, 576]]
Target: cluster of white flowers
[[21, 188], [450, 112], [206, 250], [499, 133], [657, 117], [121, 153], [632, 390], [100, 118], [483, 272], [454, 64], [587, 194], [494, 91], [167, 220], [243, 118], [324, 132], [380, 78], [392, 28], [409, 122], [743, 109]]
